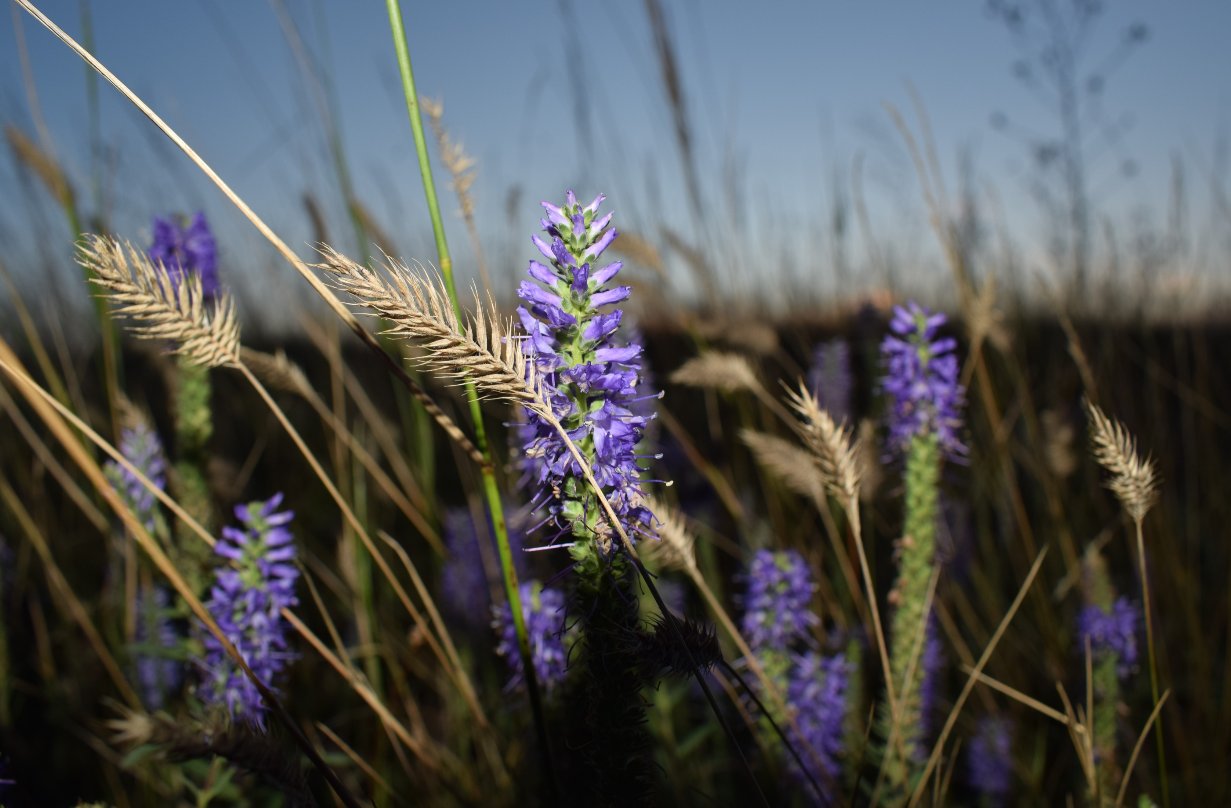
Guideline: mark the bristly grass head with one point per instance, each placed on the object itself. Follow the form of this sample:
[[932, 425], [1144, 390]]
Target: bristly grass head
[[719, 371], [165, 309], [1133, 481], [417, 308], [834, 446]]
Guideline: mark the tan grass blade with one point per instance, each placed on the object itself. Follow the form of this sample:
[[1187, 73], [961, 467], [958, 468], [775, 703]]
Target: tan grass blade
[[1133, 481], [717, 371], [143, 292]]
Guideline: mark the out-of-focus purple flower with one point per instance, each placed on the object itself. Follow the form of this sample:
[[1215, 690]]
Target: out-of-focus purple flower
[[187, 250], [590, 379], [140, 446], [777, 605], [989, 761], [543, 611], [816, 693], [158, 671], [256, 582], [931, 662], [921, 380], [1113, 632], [463, 579], [830, 378]]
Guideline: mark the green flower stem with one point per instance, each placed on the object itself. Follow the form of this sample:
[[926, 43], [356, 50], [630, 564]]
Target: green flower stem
[[490, 488], [907, 631]]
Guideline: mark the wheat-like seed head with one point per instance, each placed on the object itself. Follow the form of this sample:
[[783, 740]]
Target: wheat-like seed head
[[276, 370], [1133, 480], [418, 308], [716, 370], [834, 447], [143, 291], [796, 467], [676, 546]]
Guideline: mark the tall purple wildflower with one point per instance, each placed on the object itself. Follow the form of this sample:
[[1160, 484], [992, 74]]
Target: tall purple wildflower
[[989, 761], [1111, 632], [816, 691], [921, 380], [830, 378], [256, 582], [463, 578], [185, 250], [777, 605], [590, 379], [140, 447], [543, 612], [158, 671], [931, 661]]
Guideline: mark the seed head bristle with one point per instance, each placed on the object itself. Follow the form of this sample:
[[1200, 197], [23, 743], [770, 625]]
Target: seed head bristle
[[1133, 480], [796, 467], [676, 550], [165, 309], [418, 308], [716, 370], [834, 447]]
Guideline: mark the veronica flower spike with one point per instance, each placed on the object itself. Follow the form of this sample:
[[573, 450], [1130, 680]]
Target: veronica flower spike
[[252, 587], [186, 249]]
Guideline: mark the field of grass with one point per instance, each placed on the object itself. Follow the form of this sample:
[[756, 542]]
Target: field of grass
[[862, 556]]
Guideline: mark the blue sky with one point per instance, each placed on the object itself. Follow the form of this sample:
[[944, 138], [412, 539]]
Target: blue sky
[[793, 93]]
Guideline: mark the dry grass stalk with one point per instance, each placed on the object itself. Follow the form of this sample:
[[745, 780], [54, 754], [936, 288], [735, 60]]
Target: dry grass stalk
[[1133, 481], [276, 371], [143, 291], [418, 309], [457, 162], [677, 548], [718, 371], [833, 446], [40, 162], [796, 467]]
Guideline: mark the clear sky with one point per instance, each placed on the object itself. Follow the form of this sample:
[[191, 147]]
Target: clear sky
[[791, 95]]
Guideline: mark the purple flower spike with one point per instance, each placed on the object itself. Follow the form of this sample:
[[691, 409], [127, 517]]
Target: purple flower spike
[[247, 600], [158, 672], [187, 250], [816, 692], [543, 611], [140, 446], [591, 380], [1113, 632], [830, 378], [777, 604], [989, 762], [921, 380]]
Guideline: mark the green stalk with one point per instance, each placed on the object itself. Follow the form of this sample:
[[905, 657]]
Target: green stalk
[[490, 489], [1145, 604]]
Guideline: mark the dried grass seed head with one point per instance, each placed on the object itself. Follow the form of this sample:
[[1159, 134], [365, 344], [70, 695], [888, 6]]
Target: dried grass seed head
[[206, 333], [834, 446], [1133, 480], [717, 371]]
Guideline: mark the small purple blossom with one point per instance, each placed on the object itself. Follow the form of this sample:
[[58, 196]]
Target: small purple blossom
[[158, 671], [989, 762], [140, 447], [256, 581], [816, 692], [777, 605], [830, 378], [921, 380], [543, 611], [187, 250], [590, 380], [1113, 632]]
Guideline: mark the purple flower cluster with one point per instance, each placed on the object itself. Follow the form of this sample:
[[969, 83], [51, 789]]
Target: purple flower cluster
[[931, 661], [777, 605], [989, 762], [158, 671], [141, 447], [829, 378], [816, 692], [590, 380], [187, 250], [543, 611], [247, 598], [463, 578], [1113, 632], [921, 380]]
